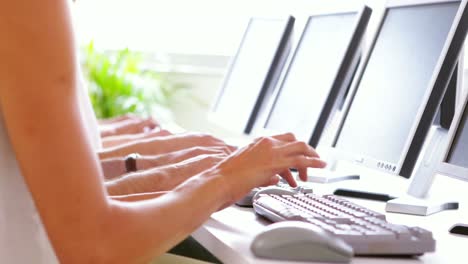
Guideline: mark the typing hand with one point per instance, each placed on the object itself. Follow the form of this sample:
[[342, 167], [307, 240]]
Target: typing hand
[[147, 162], [259, 163], [176, 142], [127, 126]]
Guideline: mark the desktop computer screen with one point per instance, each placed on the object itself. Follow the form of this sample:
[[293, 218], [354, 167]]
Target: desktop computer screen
[[320, 71], [253, 73], [458, 154], [399, 88], [455, 161]]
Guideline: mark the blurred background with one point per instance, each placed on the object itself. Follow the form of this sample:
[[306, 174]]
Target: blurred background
[[168, 58]]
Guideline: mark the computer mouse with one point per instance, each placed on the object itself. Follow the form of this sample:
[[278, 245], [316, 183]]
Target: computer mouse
[[300, 241], [247, 200], [273, 190]]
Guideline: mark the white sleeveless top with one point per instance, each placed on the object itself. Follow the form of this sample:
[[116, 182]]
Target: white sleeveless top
[[22, 235]]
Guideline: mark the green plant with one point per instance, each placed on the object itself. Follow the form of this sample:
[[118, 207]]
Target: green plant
[[118, 84]]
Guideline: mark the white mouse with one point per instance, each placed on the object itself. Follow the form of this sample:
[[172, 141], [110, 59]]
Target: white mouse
[[272, 190], [247, 200], [300, 241]]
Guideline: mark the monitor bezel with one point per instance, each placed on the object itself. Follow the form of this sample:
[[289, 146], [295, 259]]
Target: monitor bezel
[[444, 167], [426, 113], [282, 47], [348, 65]]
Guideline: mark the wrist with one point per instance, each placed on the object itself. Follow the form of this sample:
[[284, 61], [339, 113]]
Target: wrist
[[218, 179], [107, 132]]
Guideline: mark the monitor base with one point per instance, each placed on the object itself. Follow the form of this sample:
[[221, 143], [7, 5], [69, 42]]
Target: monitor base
[[327, 176], [416, 206]]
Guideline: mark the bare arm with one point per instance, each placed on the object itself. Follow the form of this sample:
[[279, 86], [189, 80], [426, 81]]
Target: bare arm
[[38, 79], [163, 144], [113, 141], [182, 161], [163, 178], [137, 196], [38, 97]]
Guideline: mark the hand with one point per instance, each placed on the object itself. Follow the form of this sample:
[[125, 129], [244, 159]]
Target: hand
[[112, 141], [259, 163], [128, 126], [104, 121], [147, 162], [160, 145], [191, 167]]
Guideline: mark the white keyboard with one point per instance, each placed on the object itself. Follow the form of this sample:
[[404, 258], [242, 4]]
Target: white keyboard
[[366, 231], [246, 201]]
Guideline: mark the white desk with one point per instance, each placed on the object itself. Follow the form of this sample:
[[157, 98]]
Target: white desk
[[228, 234]]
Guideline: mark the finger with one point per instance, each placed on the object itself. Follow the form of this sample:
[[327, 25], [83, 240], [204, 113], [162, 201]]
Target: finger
[[161, 132], [272, 181], [232, 148], [148, 123], [287, 175], [298, 148], [222, 149], [208, 140], [287, 137], [155, 133], [302, 173], [129, 117], [215, 150], [303, 162]]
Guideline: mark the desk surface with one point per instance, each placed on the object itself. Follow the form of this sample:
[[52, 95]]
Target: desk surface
[[228, 234]]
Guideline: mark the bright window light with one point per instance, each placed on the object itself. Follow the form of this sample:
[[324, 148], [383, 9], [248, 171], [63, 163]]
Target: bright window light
[[211, 27]]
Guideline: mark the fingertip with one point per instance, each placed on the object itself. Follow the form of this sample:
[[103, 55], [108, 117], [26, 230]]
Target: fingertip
[[316, 162], [274, 180], [321, 163], [293, 183], [303, 174]]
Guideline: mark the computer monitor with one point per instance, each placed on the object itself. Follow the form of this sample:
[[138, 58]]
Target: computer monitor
[[253, 73], [455, 162], [446, 110], [320, 71], [445, 154], [400, 85]]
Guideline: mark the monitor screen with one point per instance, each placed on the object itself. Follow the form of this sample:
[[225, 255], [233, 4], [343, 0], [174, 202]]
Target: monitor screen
[[458, 154], [249, 70], [311, 73], [396, 78]]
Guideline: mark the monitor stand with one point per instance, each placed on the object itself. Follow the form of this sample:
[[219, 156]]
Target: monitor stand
[[418, 206], [328, 176], [416, 201]]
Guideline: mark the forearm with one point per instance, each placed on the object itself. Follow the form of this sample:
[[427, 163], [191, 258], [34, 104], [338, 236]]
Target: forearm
[[113, 167], [137, 196], [113, 141], [153, 180], [161, 223], [82, 223]]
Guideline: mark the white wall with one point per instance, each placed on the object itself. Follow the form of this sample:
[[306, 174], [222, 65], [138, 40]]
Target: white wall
[[183, 26], [198, 36]]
